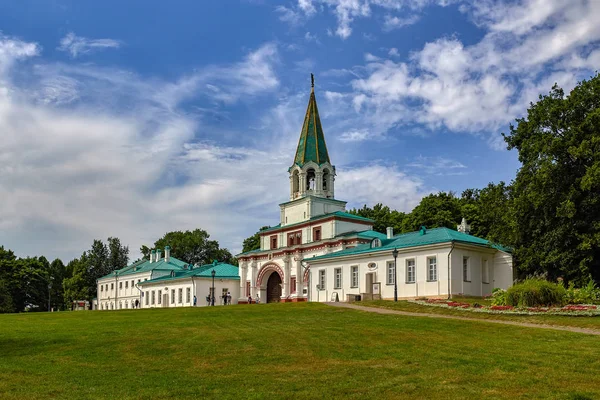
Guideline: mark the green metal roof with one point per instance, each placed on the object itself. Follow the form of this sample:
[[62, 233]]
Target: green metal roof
[[222, 271], [311, 146], [146, 266], [415, 239], [370, 234], [341, 214]]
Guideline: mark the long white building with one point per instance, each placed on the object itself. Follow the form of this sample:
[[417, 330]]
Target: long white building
[[319, 252]]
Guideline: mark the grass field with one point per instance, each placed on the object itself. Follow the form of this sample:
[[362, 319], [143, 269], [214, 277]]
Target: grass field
[[287, 351], [560, 320]]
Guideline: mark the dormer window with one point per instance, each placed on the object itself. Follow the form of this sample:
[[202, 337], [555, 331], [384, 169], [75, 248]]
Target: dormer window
[[375, 243]]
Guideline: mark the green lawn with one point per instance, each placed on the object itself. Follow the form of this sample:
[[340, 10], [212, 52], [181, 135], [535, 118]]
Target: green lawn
[[287, 351], [562, 320]]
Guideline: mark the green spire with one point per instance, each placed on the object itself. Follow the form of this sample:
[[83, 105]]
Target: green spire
[[311, 146]]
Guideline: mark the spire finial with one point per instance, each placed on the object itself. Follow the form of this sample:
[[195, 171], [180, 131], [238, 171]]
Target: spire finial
[[312, 80]]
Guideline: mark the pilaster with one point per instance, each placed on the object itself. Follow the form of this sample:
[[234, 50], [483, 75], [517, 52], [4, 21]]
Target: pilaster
[[253, 289]]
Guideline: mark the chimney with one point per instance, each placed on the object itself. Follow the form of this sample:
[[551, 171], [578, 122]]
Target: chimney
[[464, 227], [157, 259], [152, 256], [390, 232], [167, 253]]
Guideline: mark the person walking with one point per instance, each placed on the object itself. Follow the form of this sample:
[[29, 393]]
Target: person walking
[[195, 300], [208, 300], [229, 298], [257, 299]]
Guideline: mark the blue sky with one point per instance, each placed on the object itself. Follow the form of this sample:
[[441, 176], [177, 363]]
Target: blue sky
[[133, 120]]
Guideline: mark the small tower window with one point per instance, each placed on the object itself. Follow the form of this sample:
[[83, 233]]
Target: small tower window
[[310, 179], [325, 179], [376, 243]]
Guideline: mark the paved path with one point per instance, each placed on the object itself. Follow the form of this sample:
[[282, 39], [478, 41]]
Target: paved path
[[492, 321]]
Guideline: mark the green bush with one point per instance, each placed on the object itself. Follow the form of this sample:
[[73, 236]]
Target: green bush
[[536, 292], [498, 297], [589, 294]]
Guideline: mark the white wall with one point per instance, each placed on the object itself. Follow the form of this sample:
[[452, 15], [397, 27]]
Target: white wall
[[200, 287], [125, 297], [499, 264]]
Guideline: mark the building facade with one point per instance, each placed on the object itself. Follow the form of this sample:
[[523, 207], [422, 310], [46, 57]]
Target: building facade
[[165, 282], [319, 252]]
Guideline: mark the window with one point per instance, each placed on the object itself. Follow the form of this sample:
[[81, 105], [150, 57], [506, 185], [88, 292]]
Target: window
[[172, 296], [316, 234], [180, 297], [153, 297], [410, 271], [354, 270], [159, 296], [294, 238], [466, 270], [146, 295], [247, 288], [485, 272], [112, 286], [126, 284], [120, 285], [321, 279], [391, 273], [187, 295], [432, 269], [293, 285], [337, 273], [273, 242], [102, 288], [107, 291], [138, 281], [375, 243], [132, 284]]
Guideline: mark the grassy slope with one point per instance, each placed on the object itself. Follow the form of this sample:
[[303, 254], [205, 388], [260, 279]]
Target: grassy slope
[[581, 322], [285, 351]]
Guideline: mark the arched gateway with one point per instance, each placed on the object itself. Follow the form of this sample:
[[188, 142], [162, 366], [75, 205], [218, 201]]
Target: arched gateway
[[270, 280]]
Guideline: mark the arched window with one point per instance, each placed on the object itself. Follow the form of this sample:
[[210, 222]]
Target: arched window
[[375, 243], [295, 182], [310, 179], [325, 179]]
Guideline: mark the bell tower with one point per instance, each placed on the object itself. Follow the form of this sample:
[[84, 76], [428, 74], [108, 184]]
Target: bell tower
[[312, 174]]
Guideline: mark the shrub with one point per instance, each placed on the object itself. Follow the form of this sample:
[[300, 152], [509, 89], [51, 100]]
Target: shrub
[[498, 297], [536, 292], [589, 294]]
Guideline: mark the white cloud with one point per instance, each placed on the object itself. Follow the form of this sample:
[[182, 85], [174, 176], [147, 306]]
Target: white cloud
[[76, 165], [376, 183], [438, 166], [354, 136], [393, 52], [346, 11], [481, 87], [77, 45], [390, 23]]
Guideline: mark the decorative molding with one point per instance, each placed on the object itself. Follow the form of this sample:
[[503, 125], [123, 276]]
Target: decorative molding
[[271, 266]]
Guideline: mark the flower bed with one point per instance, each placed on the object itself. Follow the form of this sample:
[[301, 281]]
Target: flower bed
[[571, 309]]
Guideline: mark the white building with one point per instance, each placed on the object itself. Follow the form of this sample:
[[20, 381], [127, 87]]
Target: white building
[[165, 282], [319, 252]]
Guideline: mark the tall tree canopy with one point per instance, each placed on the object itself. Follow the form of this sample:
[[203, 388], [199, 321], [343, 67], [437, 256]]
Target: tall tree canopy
[[556, 191], [434, 211], [383, 217], [193, 247]]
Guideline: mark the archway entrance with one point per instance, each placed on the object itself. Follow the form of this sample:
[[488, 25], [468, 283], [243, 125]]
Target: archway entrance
[[274, 288]]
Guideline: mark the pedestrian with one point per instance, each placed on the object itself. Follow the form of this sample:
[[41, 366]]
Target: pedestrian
[[257, 299], [137, 303], [208, 300], [229, 298], [195, 300], [249, 299]]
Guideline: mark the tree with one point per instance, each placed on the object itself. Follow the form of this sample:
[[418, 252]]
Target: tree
[[118, 255], [253, 242], [58, 274], [556, 201], [383, 217], [6, 303], [436, 210], [192, 247], [76, 286], [489, 212]]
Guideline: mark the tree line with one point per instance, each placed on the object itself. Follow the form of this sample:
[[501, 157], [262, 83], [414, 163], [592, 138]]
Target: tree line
[[35, 284], [550, 213]]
